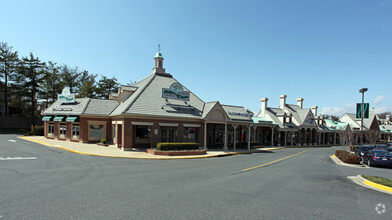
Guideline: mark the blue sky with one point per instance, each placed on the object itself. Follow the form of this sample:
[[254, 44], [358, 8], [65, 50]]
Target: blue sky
[[235, 52]]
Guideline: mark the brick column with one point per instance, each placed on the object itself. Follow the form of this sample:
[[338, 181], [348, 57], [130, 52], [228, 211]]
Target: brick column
[[299, 137], [126, 135]]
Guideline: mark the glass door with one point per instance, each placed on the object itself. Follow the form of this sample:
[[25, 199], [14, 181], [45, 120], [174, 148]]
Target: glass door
[[168, 135]]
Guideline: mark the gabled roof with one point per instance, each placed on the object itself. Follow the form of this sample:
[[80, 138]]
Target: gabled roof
[[300, 115], [356, 122], [215, 111], [208, 106], [237, 113]]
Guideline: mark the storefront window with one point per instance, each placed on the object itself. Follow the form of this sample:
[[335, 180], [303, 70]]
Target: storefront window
[[143, 134], [190, 134], [63, 131], [50, 130], [96, 131], [75, 132]]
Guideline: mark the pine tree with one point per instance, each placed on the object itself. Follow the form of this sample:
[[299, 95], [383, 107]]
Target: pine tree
[[51, 85], [70, 77], [8, 63], [106, 86], [31, 72], [89, 87]]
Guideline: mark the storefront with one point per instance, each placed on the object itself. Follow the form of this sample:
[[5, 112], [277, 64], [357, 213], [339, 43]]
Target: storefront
[[156, 109]]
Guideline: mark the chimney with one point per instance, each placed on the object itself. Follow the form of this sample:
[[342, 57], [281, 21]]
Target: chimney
[[282, 101], [264, 106], [314, 110], [300, 102]]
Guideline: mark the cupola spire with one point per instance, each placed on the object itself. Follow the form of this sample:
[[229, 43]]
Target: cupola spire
[[158, 61]]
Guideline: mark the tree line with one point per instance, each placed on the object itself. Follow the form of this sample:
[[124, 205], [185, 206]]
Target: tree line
[[25, 80]]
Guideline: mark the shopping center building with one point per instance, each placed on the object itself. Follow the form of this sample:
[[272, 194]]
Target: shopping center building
[[158, 108]]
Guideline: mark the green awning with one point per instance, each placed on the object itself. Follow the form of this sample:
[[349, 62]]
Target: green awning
[[47, 118], [72, 119], [58, 118]]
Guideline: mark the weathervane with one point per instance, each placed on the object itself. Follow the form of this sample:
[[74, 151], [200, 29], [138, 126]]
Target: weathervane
[[159, 47]]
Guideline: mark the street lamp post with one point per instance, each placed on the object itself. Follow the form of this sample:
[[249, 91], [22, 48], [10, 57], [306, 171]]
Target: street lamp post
[[363, 90]]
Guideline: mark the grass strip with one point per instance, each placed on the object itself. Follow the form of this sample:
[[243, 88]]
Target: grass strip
[[379, 180]]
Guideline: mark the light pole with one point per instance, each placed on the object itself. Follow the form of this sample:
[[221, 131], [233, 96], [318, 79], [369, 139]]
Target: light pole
[[363, 90]]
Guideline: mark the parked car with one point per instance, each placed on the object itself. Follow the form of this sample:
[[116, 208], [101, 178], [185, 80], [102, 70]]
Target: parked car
[[382, 147], [378, 157], [361, 150]]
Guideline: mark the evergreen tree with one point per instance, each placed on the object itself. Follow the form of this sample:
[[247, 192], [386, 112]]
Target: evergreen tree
[[8, 64], [70, 77], [106, 86], [51, 85], [31, 73], [89, 87]]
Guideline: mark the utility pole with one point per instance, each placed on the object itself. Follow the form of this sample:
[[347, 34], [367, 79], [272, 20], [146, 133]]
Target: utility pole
[[363, 90]]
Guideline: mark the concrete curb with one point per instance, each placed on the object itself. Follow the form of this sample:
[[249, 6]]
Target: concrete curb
[[339, 162], [149, 158], [371, 185]]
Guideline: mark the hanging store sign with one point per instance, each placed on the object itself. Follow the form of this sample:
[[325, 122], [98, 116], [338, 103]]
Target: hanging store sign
[[66, 96], [240, 114], [176, 91]]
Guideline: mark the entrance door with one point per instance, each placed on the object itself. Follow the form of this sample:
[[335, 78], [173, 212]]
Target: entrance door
[[168, 135]]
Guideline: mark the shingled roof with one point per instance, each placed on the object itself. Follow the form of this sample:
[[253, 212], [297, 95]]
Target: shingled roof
[[147, 100]]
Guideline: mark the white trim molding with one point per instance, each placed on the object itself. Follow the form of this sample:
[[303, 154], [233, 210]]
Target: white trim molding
[[142, 123], [168, 124], [191, 125]]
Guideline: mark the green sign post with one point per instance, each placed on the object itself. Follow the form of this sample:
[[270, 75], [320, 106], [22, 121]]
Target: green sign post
[[366, 110]]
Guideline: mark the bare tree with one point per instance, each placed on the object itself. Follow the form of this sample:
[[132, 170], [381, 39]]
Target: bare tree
[[372, 136], [347, 138]]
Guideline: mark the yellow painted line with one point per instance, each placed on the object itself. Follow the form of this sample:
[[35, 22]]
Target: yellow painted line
[[100, 155], [275, 161], [378, 186]]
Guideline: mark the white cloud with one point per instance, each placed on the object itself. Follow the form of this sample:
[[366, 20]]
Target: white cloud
[[379, 99], [339, 111], [383, 109]]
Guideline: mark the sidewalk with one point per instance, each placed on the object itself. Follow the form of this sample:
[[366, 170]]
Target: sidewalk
[[112, 151]]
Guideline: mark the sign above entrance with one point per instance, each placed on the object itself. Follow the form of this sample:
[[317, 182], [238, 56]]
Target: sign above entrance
[[240, 114], [176, 91], [66, 96]]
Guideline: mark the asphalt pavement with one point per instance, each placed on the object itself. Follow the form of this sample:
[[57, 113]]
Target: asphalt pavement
[[40, 182]]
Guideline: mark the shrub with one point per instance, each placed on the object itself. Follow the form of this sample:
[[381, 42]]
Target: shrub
[[339, 153], [346, 157], [177, 146], [351, 158], [103, 141], [37, 131]]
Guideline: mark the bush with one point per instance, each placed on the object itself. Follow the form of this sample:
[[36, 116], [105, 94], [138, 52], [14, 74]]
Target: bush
[[37, 131], [351, 158], [340, 153], [103, 141], [177, 146], [346, 157]]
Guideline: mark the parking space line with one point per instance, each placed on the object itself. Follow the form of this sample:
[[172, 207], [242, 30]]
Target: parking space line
[[275, 161], [18, 158]]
